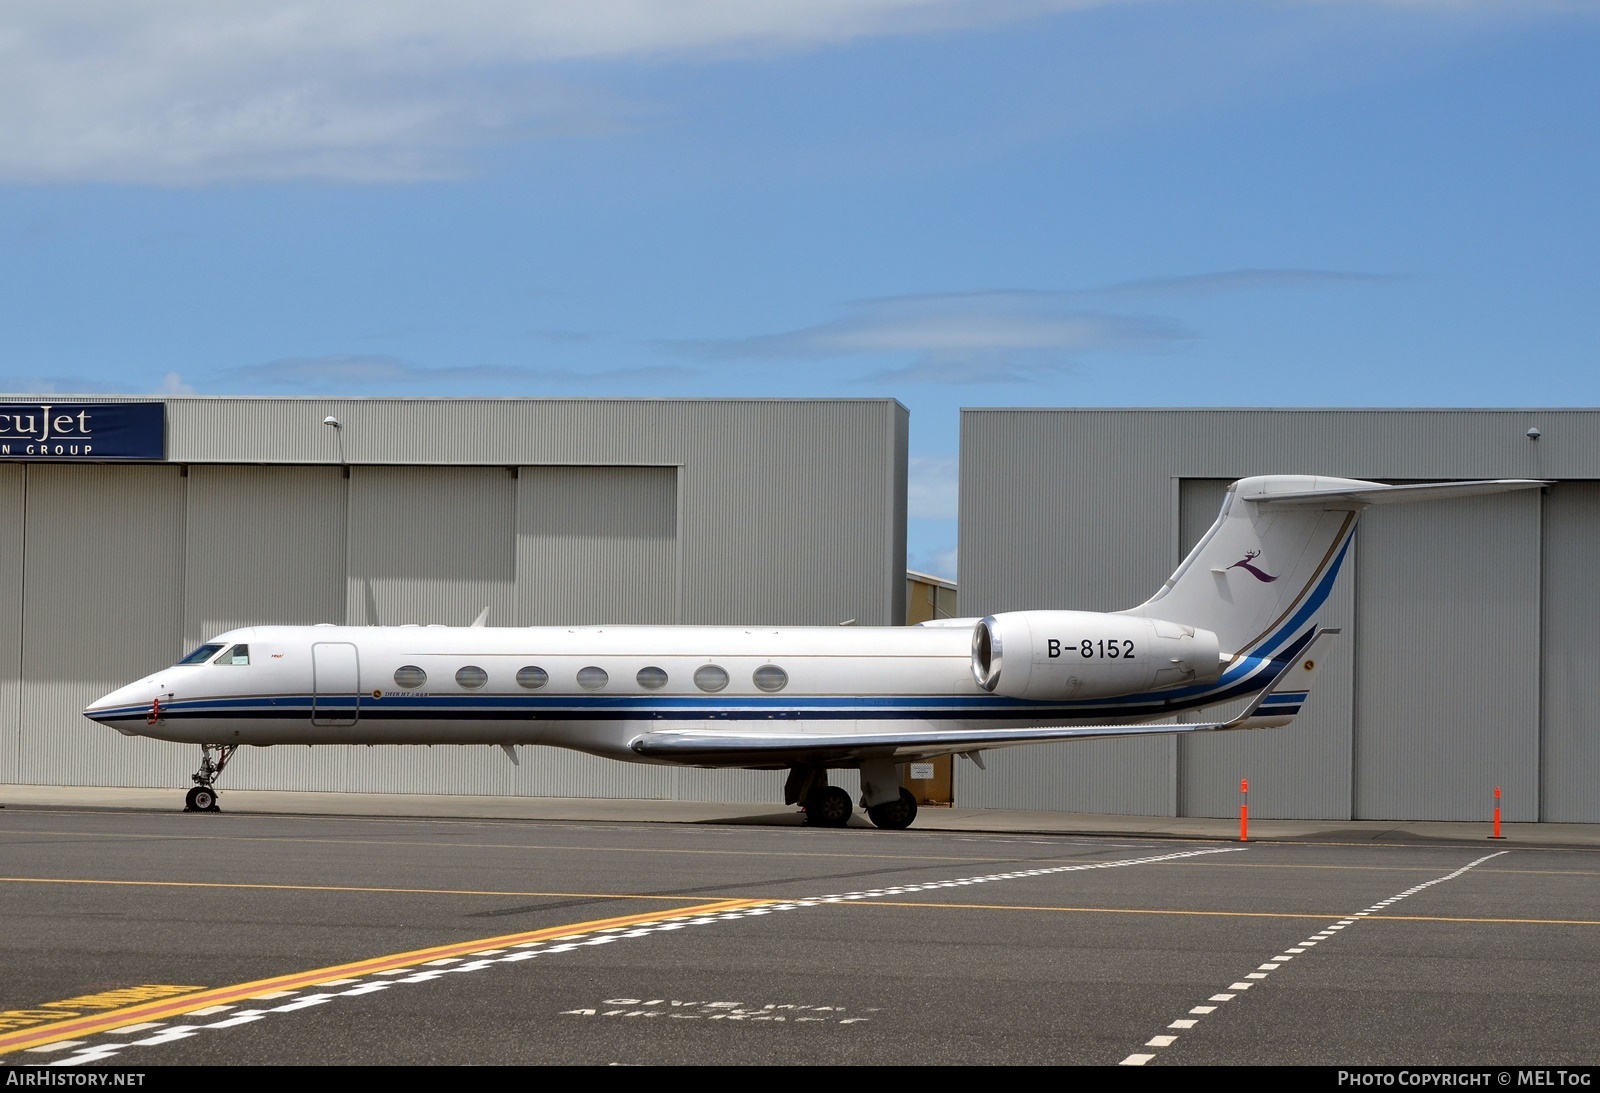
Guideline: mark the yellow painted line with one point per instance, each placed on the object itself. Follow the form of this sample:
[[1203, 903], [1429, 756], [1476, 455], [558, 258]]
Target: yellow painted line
[[173, 1007], [340, 888], [1338, 915]]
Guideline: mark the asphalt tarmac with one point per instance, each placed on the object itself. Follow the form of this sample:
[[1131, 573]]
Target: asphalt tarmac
[[317, 929]]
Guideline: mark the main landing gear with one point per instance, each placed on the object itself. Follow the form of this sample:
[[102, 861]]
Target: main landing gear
[[829, 806], [894, 815], [203, 797]]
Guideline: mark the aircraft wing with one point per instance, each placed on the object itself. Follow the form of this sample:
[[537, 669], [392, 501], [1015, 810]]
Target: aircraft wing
[[1275, 705]]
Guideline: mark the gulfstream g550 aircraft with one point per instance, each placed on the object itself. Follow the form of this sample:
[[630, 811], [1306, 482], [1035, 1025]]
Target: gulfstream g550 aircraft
[[1235, 626]]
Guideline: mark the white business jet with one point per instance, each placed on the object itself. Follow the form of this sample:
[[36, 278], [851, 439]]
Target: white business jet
[[1235, 626]]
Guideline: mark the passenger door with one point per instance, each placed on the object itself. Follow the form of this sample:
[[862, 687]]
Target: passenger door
[[335, 683]]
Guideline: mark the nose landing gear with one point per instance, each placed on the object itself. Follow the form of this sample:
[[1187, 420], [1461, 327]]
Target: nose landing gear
[[203, 797]]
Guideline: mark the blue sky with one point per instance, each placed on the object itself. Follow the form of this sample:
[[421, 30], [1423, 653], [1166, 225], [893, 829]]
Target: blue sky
[[1000, 203]]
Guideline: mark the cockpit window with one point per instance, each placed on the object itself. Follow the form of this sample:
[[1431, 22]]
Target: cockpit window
[[202, 654], [239, 654]]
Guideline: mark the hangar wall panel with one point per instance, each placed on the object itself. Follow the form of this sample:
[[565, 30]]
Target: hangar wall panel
[[597, 545], [13, 508], [1303, 769], [265, 545], [779, 466], [1447, 669], [431, 545], [1569, 744], [102, 605]]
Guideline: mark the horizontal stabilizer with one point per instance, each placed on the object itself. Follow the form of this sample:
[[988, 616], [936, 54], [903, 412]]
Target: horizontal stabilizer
[[1278, 704], [1275, 705], [1348, 494]]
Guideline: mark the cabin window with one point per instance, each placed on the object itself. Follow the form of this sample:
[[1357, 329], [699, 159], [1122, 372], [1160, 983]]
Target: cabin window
[[239, 654], [471, 676], [652, 679], [409, 677], [203, 654], [770, 678], [592, 678], [709, 677], [532, 677]]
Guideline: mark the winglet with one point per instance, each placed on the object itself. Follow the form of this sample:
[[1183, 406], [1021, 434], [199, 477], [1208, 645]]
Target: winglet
[[1278, 704], [483, 617]]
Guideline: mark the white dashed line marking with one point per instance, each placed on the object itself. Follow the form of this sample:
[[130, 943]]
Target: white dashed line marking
[[1265, 970], [437, 969]]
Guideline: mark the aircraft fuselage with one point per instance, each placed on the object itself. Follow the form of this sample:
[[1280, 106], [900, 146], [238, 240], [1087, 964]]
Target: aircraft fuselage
[[595, 689]]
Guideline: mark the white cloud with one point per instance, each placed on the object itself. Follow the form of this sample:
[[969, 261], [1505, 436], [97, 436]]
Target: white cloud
[[172, 384], [931, 492], [192, 91], [1011, 336], [1005, 336]]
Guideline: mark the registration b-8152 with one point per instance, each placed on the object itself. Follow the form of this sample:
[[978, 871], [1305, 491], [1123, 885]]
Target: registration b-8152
[[1091, 649]]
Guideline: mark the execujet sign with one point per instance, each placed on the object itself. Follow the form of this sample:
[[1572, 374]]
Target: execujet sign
[[81, 430]]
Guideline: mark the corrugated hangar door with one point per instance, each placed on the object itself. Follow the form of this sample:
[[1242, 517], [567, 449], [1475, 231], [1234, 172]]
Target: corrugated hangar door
[[427, 545], [1569, 742], [265, 545], [1447, 659], [12, 510], [431, 545], [102, 605], [597, 545]]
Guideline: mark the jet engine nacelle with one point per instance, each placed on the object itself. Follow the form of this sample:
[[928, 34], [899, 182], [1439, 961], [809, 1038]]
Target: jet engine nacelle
[[1050, 655]]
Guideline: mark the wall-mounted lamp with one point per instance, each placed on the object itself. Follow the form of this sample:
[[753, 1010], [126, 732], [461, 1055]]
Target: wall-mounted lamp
[[1534, 433], [338, 431]]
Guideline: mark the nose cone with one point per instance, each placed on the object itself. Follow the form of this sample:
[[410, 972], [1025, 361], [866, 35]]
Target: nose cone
[[124, 706]]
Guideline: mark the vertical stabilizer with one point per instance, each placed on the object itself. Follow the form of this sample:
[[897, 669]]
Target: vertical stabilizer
[[1258, 578]]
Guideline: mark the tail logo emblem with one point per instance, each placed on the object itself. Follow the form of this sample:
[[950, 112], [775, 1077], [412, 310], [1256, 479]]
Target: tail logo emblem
[[1244, 564]]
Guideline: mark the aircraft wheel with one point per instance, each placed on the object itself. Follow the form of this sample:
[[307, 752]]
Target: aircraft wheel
[[828, 807], [895, 815], [201, 799]]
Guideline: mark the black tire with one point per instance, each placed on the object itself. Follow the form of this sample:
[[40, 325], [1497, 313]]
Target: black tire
[[895, 815], [201, 799], [828, 807]]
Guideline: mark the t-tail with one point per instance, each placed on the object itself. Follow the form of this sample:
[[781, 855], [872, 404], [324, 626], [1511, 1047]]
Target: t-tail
[[1260, 576]]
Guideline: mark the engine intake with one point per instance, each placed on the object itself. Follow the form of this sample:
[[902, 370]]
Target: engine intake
[[1050, 655]]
